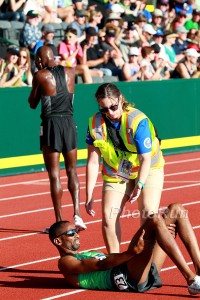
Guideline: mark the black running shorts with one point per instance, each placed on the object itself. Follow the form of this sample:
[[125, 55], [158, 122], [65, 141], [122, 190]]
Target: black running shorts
[[59, 133]]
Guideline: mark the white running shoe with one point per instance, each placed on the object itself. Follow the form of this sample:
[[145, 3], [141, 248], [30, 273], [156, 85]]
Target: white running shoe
[[78, 222], [194, 288]]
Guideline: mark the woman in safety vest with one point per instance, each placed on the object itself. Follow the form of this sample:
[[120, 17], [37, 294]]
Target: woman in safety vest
[[132, 161]]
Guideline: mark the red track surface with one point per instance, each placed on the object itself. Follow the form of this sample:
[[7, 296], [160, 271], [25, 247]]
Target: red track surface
[[29, 261]]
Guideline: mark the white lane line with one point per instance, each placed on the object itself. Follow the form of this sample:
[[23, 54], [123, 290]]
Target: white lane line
[[97, 185], [133, 215], [83, 174]]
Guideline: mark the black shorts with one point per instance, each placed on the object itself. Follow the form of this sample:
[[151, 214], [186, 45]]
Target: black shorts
[[59, 133], [121, 281]]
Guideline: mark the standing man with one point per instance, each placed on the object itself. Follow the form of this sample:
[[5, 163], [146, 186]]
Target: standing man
[[54, 86]]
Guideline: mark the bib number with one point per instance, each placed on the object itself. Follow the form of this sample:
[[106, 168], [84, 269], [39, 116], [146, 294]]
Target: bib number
[[120, 282]]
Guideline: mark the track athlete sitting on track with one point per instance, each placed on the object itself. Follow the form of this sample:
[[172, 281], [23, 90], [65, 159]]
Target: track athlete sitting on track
[[136, 269]]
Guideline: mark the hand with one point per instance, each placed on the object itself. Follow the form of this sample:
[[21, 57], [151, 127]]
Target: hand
[[172, 229], [88, 207], [135, 194]]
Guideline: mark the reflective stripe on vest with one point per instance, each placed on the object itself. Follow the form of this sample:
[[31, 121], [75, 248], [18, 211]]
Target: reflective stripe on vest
[[129, 123]]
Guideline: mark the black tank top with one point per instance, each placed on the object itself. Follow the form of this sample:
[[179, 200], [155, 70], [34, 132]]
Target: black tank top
[[62, 102], [176, 74]]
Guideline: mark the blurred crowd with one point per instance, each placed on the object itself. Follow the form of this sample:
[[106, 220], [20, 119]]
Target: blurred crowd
[[128, 40]]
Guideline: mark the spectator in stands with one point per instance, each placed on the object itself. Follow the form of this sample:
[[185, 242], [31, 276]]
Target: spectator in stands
[[130, 39], [11, 75], [131, 68], [147, 70], [65, 11], [186, 5], [157, 19], [158, 39], [130, 9], [180, 44], [51, 11], [179, 20], [24, 62], [97, 58], [12, 10], [143, 11], [79, 24], [116, 60], [147, 32], [94, 20], [192, 36], [168, 41], [72, 55], [197, 73], [194, 21], [187, 68], [160, 61], [30, 33], [168, 15], [48, 32]]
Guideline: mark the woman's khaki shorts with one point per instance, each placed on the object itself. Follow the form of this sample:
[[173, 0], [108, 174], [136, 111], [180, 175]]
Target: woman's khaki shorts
[[154, 180]]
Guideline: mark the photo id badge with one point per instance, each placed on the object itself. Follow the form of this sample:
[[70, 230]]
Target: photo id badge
[[124, 170]]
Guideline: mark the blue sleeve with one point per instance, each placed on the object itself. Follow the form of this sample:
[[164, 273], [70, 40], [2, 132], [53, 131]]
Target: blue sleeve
[[89, 140], [143, 137]]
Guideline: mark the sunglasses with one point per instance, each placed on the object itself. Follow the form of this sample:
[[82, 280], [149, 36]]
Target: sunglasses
[[70, 232], [23, 56], [69, 36], [106, 109]]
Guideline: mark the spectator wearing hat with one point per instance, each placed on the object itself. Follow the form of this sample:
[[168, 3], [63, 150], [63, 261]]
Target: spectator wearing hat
[[168, 14], [159, 62], [10, 73], [157, 19], [79, 24], [116, 61], [114, 19], [147, 32], [48, 32], [97, 58], [180, 44], [194, 21], [30, 33], [158, 39], [128, 40], [131, 69], [168, 41], [187, 68]]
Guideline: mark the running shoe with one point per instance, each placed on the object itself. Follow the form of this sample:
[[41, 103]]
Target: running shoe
[[194, 288], [78, 222]]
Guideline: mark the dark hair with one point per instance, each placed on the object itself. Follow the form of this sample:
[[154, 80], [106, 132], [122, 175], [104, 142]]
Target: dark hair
[[109, 90], [146, 50], [72, 30], [55, 230]]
